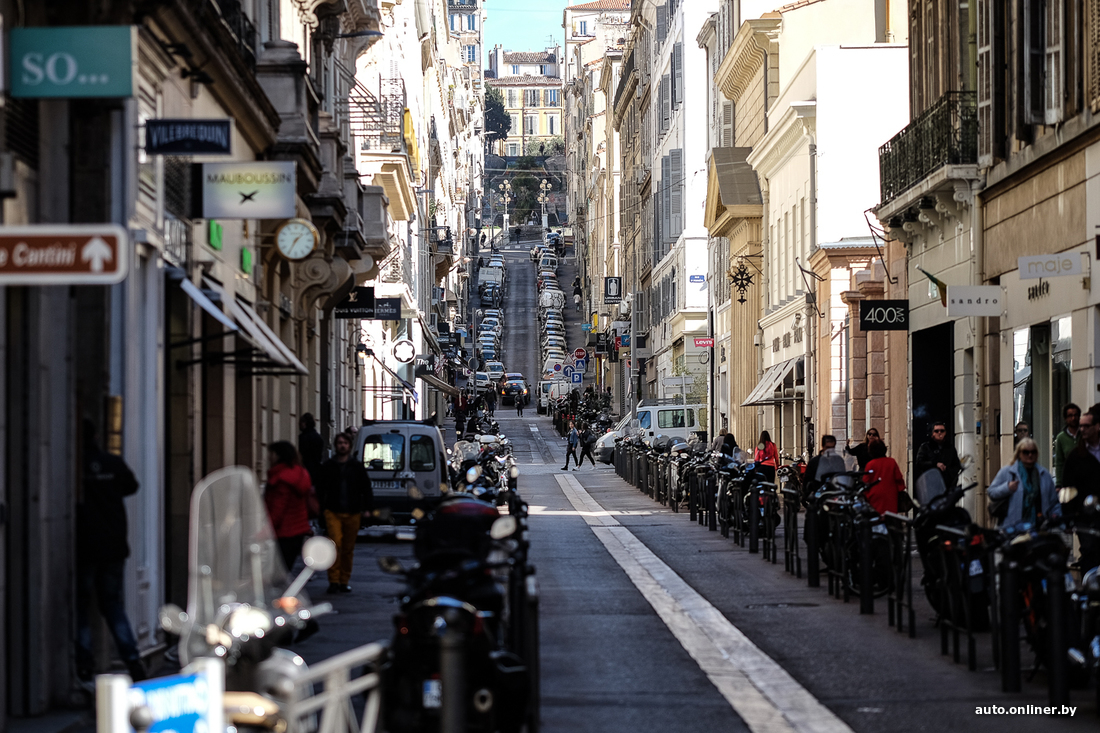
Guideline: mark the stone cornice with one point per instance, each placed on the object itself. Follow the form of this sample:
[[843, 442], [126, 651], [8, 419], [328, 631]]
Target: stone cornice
[[780, 142], [756, 39]]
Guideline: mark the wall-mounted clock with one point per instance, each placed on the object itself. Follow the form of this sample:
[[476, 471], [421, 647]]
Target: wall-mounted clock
[[296, 238]]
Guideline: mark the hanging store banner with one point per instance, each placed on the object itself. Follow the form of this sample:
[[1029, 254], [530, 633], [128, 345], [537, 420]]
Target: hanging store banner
[[612, 290], [884, 315], [73, 61], [387, 309], [187, 137], [1055, 265], [359, 304], [704, 343], [255, 190], [64, 254], [974, 300]]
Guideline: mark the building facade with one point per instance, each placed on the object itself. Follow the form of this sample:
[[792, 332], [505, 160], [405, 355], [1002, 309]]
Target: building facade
[[532, 88]]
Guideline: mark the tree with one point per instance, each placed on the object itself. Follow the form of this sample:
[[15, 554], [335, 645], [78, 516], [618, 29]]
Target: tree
[[497, 121], [551, 146]]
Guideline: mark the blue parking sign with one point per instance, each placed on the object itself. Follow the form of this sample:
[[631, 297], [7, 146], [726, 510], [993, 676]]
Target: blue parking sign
[[577, 378]]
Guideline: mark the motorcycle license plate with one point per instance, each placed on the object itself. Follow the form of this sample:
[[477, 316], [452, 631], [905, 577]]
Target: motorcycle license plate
[[433, 694], [976, 567]]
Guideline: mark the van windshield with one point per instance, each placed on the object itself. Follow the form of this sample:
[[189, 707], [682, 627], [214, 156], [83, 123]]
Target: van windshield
[[643, 420], [421, 453], [384, 452]]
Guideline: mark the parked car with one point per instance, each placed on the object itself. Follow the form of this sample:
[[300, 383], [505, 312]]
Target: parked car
[[515, 389], [495, 370]]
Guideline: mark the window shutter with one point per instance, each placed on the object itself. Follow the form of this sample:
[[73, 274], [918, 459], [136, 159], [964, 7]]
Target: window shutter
[[657, 234], [1033, 62], [662, 23], [1053, 71], [666, 200], [985, 85], [676, 187], [1092, 51], [726, 140], [678, 74], [666, 103]]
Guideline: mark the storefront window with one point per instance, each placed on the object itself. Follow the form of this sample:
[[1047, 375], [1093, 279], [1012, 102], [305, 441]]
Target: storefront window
[[1060, 369], [1021, 377]]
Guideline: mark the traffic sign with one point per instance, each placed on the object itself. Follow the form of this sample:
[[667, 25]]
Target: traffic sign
[[181, 703], [580, 353], [581, 365], [557, 367], [64, 254], [577, 378], [586, 326], [568, 371]]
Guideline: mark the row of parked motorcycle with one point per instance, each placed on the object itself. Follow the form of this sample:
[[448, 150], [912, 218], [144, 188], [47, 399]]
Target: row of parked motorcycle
[[1021, 582], [464, 653]]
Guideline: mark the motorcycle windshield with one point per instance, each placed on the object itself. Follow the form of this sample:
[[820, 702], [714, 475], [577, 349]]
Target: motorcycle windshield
[[233, 557], [467, 450]]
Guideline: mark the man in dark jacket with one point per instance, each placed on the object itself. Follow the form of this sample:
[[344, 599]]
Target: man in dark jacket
[[311, 446], [940, 454], [1082, 472], [344, 492], [102, 549]]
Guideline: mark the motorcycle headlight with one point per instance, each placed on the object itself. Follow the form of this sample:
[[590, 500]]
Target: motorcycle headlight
[[246, 620]]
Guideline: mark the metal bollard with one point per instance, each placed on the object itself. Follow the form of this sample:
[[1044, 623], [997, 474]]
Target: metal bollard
[[712, 522], [813, 566], [693, 481], [1010, 627], [866, 579], [754, 517], [452, 672], [1057, 663]]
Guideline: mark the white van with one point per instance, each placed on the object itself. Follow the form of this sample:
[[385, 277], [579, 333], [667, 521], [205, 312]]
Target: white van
[[551, 390], [673, 420], [548, 262]]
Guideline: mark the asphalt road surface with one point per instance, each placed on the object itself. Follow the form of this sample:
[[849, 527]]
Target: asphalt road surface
[[651, 623]]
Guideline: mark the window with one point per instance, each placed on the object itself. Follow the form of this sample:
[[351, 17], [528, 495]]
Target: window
[[582, 28], [551, 125], [471, 22], [542, 69], [454, 22], [671, 419], [515, 123], [644, 420], [531, 97], [512, 103], [515, 69], [530, 125], [384, 452], [421, 453], [553, 98], [471, 54], [512, 149]]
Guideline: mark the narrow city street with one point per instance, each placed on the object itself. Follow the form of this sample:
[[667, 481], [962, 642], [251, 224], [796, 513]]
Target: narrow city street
[[649, 622]]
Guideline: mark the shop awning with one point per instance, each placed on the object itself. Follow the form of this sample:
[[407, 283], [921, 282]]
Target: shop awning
[[440, 385], [275, 356], [764, 392], [206, 304], [406, 385]]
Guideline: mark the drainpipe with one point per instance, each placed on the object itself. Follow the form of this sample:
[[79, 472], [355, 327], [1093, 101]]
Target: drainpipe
[[806, 112], [977, 238]]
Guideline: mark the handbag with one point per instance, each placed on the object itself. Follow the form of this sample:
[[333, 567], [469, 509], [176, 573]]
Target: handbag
[[998, 508], [905, 503]]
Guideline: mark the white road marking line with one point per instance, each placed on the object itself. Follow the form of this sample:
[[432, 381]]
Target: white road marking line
[[764, 694], [534, 428]]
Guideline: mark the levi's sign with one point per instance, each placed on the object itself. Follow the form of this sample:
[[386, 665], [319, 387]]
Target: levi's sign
[[884, 315], [76, 254], [189, 137], [73, 61], [1056, 265]]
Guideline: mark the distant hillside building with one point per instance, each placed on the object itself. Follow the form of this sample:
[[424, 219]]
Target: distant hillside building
[[530, 82]]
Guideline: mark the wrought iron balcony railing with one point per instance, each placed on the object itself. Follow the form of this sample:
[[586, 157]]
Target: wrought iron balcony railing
[[242, 28], [944, 134]]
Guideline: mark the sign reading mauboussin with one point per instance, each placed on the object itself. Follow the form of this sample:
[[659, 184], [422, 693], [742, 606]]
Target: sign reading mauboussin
[[974, 300], [1054, 265], [68, 62], [884, 315], [187, 137], [254, 190]]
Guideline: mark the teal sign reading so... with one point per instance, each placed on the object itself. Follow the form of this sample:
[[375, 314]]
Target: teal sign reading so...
[[73, 61]]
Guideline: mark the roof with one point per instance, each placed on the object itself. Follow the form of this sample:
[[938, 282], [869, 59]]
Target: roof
[[737, 181], [602, 5], [529, 57], [527, 81], [796, 5]]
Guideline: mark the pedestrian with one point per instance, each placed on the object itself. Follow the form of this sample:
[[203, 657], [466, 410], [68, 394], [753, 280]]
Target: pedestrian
[[519, 405], [886, 479], [572, 440], [311, 447], [1023, 430], [729, 444], [344, 492], [1066, 441], [719, 440], [287, 496], [1023, 489], [938, 453], [1083, 473], [577, 300], [491, 402], [810, 483], [588, 440], [352, 431], [766, 456], [102, 549], [862, 452]]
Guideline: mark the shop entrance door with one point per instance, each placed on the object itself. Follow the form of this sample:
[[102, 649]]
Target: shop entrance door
[[933, 381]]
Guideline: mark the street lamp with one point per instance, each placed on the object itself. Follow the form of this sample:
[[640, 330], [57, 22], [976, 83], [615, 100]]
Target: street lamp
[[505, 199], [544, 199]]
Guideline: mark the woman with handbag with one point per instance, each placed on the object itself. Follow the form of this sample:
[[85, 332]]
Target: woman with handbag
[[766, 457], [287, 496], [888, 481], [1023, 491]]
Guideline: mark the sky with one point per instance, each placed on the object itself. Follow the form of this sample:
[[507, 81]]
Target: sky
[[524, 25]]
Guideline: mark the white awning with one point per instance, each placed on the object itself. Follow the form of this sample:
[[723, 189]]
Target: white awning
[[254, 330], [440, 385], [206, 304], [764, 392]]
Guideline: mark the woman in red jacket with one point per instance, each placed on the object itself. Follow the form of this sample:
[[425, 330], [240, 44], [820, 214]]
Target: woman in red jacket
[[289, 488], [883, 496], [766, 457]]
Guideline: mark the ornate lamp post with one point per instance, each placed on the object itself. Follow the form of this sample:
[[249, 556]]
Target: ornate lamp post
[[544, 199], [505, 199]]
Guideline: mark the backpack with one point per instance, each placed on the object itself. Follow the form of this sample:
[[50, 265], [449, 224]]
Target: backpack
[[588, 438]]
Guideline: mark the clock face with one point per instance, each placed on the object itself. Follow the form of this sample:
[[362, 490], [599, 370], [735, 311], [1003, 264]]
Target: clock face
[[296, 239]]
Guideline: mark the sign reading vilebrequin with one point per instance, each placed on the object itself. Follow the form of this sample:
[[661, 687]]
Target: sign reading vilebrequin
[[63, 254], [187, 137], [73, 61], [255, 190]]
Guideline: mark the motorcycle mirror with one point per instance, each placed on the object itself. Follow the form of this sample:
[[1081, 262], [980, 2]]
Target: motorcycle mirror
[[172, 618], [391, 565], [1066, 494], [319, 553], [504, 527], [635, 423]]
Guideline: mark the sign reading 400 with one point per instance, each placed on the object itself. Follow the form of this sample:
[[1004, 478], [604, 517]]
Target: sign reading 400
[[73, 61], [884, 315]]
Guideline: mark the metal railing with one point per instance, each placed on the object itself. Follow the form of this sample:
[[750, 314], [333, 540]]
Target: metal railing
[[242, 28], [329, 688], [944, 134]]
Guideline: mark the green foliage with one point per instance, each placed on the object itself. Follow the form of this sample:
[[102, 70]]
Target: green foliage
[[552, 146], [497, 121]]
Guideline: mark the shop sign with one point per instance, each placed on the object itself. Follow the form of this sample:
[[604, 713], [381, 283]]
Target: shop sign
[[187, 137], [601, 343], [1054, 265], [255, 190], [704, 343], [612, 290], [73, 61], [973, 300], [884, 315], [387, 309], [359, 304], [76, 254]]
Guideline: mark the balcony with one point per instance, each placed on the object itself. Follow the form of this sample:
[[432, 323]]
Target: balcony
[[946, 134], [460, 5], [241, 27]]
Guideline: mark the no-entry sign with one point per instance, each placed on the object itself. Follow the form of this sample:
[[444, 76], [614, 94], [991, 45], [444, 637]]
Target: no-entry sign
[[78, 254]]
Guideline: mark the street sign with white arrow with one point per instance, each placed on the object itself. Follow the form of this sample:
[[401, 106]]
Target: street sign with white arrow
[[76, 254]]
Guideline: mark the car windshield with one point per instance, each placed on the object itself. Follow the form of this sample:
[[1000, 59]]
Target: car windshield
[[384, 452]]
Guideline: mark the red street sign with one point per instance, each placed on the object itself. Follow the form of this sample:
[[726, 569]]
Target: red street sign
[[77, 254], [704, 343], [618, 342], [580, 354]]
